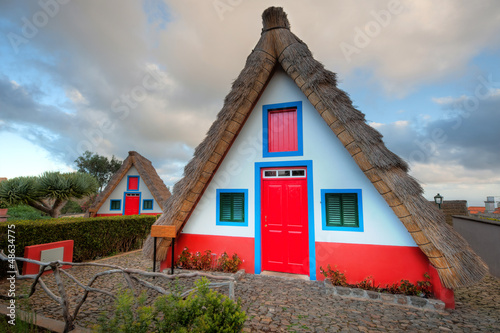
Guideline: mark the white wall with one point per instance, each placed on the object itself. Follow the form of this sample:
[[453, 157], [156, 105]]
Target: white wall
[[333, 168], [121, 188]]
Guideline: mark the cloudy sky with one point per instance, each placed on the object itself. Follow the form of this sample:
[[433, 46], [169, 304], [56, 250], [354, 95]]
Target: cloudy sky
[[151, 75]]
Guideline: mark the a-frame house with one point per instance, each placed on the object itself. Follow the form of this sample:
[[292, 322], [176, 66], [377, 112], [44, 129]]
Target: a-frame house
[[292, 178], [135, 189]]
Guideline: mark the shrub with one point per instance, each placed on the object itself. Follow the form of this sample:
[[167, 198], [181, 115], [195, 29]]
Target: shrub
[[203, 261], [185, 259], [423, 288], [204, 311], [367, 284], [227, 264], [336, 277], [206, 261]]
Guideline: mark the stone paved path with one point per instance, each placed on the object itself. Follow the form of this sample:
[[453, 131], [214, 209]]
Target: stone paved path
[[276, 305], [283, 305]]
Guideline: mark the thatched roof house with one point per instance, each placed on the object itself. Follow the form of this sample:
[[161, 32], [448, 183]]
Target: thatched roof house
[[280, 50], [155, 192]]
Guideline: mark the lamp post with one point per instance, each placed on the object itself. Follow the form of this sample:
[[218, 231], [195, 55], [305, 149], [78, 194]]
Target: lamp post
[[438, 199]]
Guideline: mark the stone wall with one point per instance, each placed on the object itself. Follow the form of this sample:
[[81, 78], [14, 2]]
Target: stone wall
[[453, 207]]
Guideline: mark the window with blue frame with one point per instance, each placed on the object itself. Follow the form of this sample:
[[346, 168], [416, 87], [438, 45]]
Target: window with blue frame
[[282, 129], [147, 204], [342, 210], [232, 207], [115, 205], [133, 183]]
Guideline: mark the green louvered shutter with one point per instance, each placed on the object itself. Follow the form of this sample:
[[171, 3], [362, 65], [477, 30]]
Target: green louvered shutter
[[341, 209], [232, 207], [349, 209], [333, 210], [238, 207]]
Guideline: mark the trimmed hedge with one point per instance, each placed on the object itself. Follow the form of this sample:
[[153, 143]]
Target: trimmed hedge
[[93, 237]]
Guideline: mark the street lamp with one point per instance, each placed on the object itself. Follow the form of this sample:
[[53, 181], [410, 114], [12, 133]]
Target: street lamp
[[438, 199]]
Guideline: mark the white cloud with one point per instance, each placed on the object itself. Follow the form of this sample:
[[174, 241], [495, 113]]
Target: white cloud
[[449, 100], [452, 173], [495, 93], [375, 125], [455, 182], [401, 123], [75, 96], [427, 42]]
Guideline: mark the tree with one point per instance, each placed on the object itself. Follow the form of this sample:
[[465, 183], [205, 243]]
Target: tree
[[98, 166], [48, 192]]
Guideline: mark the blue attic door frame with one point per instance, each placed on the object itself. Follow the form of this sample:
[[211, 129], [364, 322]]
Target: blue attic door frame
[[266, 109], [133, 183]]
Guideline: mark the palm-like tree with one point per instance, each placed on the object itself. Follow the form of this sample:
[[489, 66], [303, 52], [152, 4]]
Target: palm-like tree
[[48, 192]]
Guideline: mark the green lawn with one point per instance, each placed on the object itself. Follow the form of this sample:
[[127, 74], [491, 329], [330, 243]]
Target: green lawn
[[25, 212]]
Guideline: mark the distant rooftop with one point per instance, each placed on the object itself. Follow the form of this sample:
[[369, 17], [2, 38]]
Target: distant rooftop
[[480, 210]]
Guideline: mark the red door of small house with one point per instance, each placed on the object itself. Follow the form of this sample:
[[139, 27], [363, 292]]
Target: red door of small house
[[132, 202], [284, 220]]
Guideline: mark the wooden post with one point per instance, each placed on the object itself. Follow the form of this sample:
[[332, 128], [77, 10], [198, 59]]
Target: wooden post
[[163, 231], [172, 265], [154, 256]]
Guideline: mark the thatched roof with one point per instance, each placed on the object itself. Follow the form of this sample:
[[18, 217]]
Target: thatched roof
[[448, 252], [148, 174]]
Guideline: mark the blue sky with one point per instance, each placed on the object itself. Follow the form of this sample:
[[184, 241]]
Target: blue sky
[[114, 76]]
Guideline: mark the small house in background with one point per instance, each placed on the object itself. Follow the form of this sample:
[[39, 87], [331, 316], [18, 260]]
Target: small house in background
[[292, 178], [135, 189]]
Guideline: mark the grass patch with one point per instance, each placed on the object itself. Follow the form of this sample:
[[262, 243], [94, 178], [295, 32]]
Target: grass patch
[[20, 326], [25, 212]]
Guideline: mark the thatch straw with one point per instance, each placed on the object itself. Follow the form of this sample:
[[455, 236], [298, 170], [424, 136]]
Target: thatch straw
[[455, 261], [148, 174]]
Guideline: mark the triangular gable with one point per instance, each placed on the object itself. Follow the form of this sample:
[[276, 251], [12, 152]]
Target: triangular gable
[[447, 251], [148, 174]]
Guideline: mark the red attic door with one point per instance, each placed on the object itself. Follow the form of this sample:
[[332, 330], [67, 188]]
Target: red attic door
[[285, 224], [132, 203], [283, 130], [133, 183]]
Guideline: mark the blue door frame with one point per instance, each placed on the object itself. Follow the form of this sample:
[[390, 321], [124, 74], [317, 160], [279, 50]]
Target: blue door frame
[[310, 208]]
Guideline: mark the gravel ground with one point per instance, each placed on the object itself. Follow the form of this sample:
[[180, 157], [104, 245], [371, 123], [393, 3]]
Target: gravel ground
[[276, 304]]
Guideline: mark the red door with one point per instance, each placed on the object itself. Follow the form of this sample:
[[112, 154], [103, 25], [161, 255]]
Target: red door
[[284, 220], [132, 202]]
